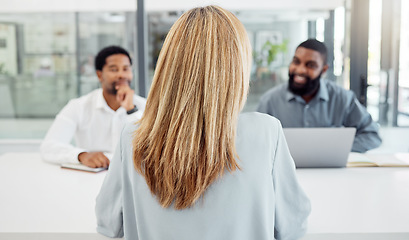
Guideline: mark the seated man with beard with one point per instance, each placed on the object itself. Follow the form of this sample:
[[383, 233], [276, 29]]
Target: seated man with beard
[[310, 101]]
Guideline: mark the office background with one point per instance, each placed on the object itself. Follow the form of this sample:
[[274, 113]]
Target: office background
[[47, 50]]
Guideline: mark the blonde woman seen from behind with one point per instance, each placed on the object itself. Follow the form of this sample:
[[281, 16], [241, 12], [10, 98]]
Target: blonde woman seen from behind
[[193, 167]]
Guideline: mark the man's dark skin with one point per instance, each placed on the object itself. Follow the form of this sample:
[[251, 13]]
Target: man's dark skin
[[307, 63]]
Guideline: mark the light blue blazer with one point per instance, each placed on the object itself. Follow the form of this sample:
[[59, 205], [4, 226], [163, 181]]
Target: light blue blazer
[[261, 201]]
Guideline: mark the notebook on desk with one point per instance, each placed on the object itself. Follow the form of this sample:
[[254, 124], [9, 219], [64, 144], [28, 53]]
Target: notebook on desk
[[400, 159], [320, 147]]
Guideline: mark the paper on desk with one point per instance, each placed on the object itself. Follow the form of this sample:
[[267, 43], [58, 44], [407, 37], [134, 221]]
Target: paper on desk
[[81, 167], [359, 160], [404, 157]]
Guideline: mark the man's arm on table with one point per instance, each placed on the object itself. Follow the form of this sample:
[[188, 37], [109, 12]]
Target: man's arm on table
[[367, 136], [57, 148]]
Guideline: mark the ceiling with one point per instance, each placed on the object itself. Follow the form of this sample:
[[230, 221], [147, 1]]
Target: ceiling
[[8, 6]]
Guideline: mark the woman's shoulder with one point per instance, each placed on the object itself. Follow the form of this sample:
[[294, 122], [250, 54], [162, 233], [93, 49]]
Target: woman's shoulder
[[256, 139], [130, 127], [128, 131], [257, 119], [258, 125]]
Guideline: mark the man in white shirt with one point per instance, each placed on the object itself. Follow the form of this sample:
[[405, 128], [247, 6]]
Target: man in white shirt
[[96, 119]]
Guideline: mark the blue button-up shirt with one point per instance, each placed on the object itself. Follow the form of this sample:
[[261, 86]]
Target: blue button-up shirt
[[333, 106]]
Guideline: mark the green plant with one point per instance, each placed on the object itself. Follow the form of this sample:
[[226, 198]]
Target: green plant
[[268, 52], [2, 69]]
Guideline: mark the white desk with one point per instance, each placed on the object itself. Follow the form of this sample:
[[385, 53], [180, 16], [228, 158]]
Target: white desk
[[347, 202], [37, 197], [43, 201]]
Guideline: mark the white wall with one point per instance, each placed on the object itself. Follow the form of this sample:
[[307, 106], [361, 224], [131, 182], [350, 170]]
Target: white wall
[[8, 6], [244, 4]]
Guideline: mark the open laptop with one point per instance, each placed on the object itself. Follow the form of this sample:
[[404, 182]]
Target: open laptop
[[320, 147]]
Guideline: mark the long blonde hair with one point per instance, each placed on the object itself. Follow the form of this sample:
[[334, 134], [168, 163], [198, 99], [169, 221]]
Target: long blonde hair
[[186, 137]]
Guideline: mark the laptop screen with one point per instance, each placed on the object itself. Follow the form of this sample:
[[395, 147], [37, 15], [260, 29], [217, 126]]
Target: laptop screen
[[320, 147]]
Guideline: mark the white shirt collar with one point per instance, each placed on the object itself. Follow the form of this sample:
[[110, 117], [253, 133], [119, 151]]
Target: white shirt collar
[[101, 103]]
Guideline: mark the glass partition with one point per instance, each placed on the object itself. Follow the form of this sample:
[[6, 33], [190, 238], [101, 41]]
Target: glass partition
[[403, 85], [274, 36], [38, 59], [46, 59], [376, 87]]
